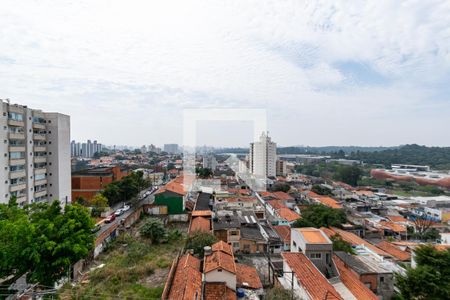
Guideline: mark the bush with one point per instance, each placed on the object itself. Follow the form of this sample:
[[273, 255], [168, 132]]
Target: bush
[[198, 240], [154, 230]]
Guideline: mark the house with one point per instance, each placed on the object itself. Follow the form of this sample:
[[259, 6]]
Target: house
[[354, 240], [395, 230], [377, 275], [173, 195], [219, 265], [184, 280], [286, 216], [352, 282], [284, 231], [200, 224], [227, 228], [394, 251], [324, 200], [252, 240], [306, 281], [316, 246]]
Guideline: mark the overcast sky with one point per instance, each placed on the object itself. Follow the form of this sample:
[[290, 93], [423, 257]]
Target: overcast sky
[[328, 72]]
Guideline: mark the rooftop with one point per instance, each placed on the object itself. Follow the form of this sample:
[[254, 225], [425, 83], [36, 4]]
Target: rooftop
[[217, 291], [284, 231], [187, 280], [316, 285], [247, 277], [393, 250], [313, 235], [288, 214], [200, 224]]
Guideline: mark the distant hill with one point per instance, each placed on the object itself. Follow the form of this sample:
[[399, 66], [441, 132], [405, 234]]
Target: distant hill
[[436, 157], [311, 150]]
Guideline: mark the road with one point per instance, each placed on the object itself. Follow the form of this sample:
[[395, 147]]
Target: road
[[106, 226]]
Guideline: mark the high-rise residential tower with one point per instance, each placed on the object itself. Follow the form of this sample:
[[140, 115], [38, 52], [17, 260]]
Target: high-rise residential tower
[[263, 156], [35, 160]]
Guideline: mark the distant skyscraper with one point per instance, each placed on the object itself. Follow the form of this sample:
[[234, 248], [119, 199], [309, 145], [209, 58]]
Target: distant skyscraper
[[171, 148], [37, 155], [209, 161], [263, 156]]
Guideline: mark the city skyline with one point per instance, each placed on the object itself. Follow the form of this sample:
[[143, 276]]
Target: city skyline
[[327, 73]]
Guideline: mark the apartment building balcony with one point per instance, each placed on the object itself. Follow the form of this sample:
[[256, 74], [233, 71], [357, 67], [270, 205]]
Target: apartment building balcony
[[16, 109], [40, 182], [16, 136], [40, 149], [39, 137], [16, 148], [17, 187], [40, 159], [40, 171], [17, 162], [40, 193], [15, 123], [21, 199], [17, 174], [38, 126]]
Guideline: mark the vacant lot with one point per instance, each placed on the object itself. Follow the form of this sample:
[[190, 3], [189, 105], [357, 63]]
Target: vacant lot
[[133, 269]]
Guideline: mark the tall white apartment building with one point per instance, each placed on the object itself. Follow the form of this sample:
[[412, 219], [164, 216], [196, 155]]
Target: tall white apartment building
[[263, 156], [35, 155]]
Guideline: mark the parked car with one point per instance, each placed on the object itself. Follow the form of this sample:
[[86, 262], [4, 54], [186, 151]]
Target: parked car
[[110, 218], [118, 212], [125, 208]]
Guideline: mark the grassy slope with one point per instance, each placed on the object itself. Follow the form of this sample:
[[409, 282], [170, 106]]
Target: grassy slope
[[133, 269]]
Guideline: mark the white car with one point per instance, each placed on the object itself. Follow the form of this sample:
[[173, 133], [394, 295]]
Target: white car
[[125, 208], [118, 212]]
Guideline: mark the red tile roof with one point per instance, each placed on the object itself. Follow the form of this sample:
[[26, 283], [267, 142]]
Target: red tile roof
[[284, 231], [187, 280], [315, 284], [354, 240], [222, 257], [276, 204], [393, 226], [288, 214], [282, 196], [200, 224], [397, 219], [325, 200], [393, 250], [201, 213], [247, 277], [218, 291], [222, 246], [352, 282]]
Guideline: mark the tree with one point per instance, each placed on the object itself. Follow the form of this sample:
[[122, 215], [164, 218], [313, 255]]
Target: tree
[[16, 235], [203, 172], [281, 187], [61, 238], [349, 174], [318, 215], [321, 190], [198, 240], [112, 193], [42, 240], [431, 277], [279, 293], [99, 203], [340, 245], [154, 230]]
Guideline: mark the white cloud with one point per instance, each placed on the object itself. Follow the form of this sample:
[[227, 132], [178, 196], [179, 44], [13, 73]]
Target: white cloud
[[119, 67]]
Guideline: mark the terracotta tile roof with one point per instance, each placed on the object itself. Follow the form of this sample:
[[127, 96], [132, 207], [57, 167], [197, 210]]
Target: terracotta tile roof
[[265, 194], [397, 219], [393, 226], [284, 231], [315, 284], [442, 247], [200, 224], [276, 204], [393, 250], [222, 246], [330, 202], [354, 240], [245, 192], [201, 213], [352, 282], [313, 235], [282, 196], [247, 277], [218, 291], [241, 199], [219, 259], [187, 280], [288, 214]]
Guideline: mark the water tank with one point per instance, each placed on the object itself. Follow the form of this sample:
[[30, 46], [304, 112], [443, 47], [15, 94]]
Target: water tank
[[240, 293], [207, 250]]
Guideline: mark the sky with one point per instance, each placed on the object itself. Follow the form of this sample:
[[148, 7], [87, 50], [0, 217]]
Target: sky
[[337, 72]]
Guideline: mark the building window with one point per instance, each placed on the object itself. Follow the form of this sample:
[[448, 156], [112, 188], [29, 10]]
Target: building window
[[315, 255], [295, 244], [381, 279]]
